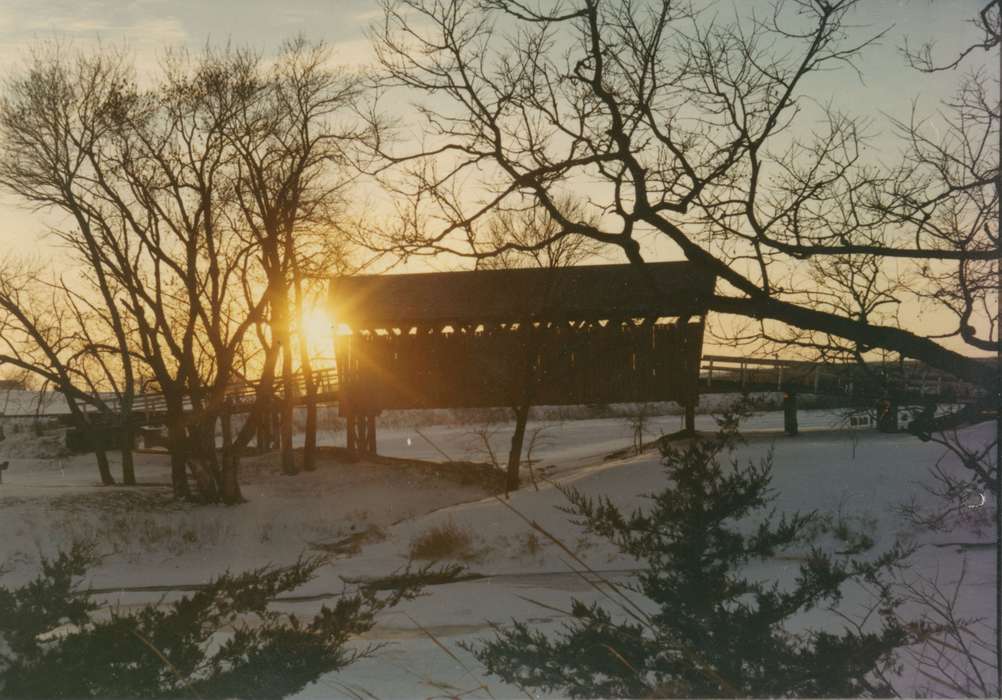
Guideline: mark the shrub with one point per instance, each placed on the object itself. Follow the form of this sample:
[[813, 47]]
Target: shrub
[[447, 541], [531, 544], [222, 641], [713, 632]]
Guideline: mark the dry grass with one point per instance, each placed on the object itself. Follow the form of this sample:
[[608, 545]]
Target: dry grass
[[137, 538], [531, 544], [446, 541]]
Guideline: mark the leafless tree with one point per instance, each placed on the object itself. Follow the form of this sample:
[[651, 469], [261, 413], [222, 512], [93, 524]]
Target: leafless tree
[[294, 136], [40, 335], [526, 236], [683, 125], [181, 197], [963, 164], [954, 653], [689, 125]]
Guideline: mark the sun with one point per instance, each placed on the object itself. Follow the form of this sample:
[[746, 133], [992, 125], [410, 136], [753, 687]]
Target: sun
[[318, 327], [317, 323]]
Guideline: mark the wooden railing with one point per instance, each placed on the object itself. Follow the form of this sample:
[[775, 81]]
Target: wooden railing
[[913, 379], [718, 373], [240, 397]]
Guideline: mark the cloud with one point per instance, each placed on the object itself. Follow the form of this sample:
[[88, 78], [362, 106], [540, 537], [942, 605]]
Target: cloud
[[368, 15], [354, 52], [136, 26]]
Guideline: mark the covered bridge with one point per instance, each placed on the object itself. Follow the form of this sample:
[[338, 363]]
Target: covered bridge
[[573, 335]]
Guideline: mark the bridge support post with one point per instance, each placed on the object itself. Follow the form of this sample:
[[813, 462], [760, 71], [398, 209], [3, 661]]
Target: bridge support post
[[790, 413], [276, 429], [370, 434], [690, 418], [349, 431]]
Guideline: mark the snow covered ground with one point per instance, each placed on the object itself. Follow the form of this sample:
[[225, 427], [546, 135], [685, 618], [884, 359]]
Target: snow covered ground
[[48, 499]]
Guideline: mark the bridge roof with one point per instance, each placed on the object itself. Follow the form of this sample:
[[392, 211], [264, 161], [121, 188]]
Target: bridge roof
[[587, 292]]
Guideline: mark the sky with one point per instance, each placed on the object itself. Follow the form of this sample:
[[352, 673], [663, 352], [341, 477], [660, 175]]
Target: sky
[[148, 27]]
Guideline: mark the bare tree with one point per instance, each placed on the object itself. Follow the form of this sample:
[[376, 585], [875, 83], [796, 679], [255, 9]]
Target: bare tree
[[963, 165], [689, 126], [528, 237], [194, 204], [680, 124], [39, 335], [954, 653], [143, 179], [294, 136]]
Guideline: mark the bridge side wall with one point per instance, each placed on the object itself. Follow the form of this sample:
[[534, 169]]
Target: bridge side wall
[[558, 363]]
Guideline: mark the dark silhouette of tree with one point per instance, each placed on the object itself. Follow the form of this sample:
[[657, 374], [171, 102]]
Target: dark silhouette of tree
[[223, 641], [701, 130], [294, 140], [685, 126], [527, 237], [189, 202], [694, 624], [42, 333]]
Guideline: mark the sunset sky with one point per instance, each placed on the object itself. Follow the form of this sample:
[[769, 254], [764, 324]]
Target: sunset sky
[[147, 27]]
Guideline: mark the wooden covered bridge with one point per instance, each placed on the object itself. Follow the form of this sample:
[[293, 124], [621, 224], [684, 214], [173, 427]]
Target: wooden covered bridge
[[573, 335]]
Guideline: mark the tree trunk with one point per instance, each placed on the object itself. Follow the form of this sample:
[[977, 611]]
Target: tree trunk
[[530, 346], [351, 434], [128, 461], [229, 486], [276, 429], [204, 462], [288, 402], [282, 326], [128, 465], [103, 467], [370, 434], [178, 446], [306, 366], [265, 436], [515, 453], [179, 474], [310, 445]]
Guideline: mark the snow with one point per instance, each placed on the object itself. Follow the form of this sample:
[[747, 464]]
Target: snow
[[47, 500], [18, 402]]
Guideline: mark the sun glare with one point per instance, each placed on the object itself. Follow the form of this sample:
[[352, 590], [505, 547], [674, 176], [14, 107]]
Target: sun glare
[[319, 329], [317, 324]]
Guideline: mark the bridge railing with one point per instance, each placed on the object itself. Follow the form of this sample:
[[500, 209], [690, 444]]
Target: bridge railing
[[745, 372], [913, 379], [239, 395]]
